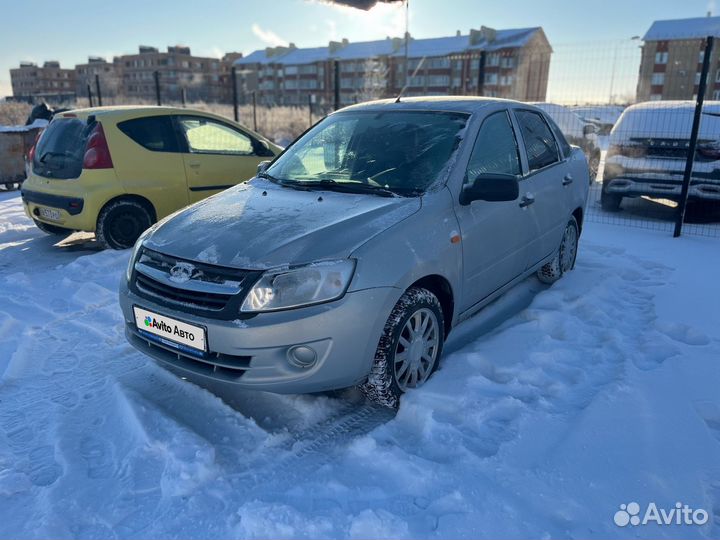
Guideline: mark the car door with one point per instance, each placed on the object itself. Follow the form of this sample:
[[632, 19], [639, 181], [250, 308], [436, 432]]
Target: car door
[[147, 156], [495, 235], [218, 155], [543, 182]]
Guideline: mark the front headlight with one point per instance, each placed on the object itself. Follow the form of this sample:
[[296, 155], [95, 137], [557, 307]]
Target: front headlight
[[135, 251], [302, 286]]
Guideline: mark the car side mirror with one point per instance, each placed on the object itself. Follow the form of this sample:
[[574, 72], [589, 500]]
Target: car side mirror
[[589, 129], [491, 187], [262, 166]]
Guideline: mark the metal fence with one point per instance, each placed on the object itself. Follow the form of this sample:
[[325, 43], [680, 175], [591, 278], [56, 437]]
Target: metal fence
[[647, 116]]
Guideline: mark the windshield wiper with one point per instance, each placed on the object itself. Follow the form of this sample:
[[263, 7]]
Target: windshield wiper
[[345, 187]]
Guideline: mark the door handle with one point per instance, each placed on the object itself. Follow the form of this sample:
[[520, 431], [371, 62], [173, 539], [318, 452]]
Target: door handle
[[527, 200], [194, 164], [567, 179]]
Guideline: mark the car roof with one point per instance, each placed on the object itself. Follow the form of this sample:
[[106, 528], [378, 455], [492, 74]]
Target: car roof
[[461, 104]]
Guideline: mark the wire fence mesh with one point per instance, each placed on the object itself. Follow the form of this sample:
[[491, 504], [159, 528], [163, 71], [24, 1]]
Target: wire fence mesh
[[628, 104]]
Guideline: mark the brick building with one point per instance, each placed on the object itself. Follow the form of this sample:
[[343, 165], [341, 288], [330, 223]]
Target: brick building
[[49, 81], [672, 56], [108, 74], [178, 70], [513, 63]]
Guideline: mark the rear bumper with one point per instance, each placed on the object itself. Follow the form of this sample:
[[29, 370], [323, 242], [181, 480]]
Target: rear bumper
[[72, 205]]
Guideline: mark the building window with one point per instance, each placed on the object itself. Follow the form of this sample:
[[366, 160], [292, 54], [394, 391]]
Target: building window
[[507, 61], [291, 70], [438, 80], [310, 69], [440, 62], [701, 57], [697, 78], [661, 57], [506, 80], [491, 78], [417, 80], [716, 95], [657, 79], [347, 67], [492, 59], [655, 97]]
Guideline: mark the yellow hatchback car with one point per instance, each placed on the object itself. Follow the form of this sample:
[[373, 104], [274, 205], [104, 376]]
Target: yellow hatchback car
[[117, 170]]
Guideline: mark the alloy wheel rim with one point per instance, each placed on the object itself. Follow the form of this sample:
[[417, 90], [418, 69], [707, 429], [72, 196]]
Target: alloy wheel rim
[[417, 349], [569, 248]]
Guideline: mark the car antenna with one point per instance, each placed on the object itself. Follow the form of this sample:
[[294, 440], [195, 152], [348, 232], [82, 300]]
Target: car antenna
[[397, 100]]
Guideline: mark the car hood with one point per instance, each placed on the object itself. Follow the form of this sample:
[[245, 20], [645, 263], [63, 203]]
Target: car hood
[[259, 225]]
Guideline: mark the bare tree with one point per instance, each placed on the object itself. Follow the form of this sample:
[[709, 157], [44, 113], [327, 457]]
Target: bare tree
[[373, 84]]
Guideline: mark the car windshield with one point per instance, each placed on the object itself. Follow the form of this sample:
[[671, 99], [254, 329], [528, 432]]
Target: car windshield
[[397, 152]]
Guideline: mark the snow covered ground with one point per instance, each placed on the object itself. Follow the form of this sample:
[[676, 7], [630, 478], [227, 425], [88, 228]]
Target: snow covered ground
[[551, 409]]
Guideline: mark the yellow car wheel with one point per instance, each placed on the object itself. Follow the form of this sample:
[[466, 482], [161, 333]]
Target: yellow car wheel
[[121, 222]]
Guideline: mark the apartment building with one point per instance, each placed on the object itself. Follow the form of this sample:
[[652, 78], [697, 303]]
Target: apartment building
[[108, 75], [503, 63], [179, 71], [49, 81], [672, 58]]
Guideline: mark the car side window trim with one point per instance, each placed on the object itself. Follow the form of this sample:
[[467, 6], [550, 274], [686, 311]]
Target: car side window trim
[[527, 173], [186, 143]]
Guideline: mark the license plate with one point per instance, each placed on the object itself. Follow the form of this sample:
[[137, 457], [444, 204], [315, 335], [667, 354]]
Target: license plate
[[177, 334], [50, 213]]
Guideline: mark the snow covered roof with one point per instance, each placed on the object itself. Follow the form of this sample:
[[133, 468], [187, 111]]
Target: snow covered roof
[[365, 49], [303, 56], [440, 46], [698, 27]]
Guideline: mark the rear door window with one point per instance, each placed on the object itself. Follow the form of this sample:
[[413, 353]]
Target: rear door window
[[61, 148], [207, 136], [155, 133], [560, 136], [540, 144]]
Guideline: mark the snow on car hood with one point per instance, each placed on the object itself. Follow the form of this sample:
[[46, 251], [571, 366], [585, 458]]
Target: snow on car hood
[[260, 225]]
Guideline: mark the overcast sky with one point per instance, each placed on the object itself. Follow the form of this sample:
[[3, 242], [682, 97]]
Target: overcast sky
[[71, 30]]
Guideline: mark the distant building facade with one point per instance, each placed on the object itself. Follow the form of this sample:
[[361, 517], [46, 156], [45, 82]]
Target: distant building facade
[[108, 76], [672, 57], [502, 63], [49, 81], [179, 71]]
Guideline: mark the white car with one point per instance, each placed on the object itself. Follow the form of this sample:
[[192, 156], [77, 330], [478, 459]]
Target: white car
[[648, 151]]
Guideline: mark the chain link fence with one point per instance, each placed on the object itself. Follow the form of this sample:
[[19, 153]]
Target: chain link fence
[[630, 105]]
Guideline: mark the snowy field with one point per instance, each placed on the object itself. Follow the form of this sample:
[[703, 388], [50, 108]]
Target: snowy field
[[552, 408]]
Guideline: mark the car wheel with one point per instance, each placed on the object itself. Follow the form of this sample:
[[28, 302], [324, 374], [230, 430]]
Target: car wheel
[[610, 201], [409, 349], [564, 259], [121, 223], [51, 229]]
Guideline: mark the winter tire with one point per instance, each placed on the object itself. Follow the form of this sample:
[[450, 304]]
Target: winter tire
[[51, 229], [564, 259], [409, 349], [120, 224]]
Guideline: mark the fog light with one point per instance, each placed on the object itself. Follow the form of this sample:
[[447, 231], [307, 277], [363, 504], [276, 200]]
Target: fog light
[[302, 356]]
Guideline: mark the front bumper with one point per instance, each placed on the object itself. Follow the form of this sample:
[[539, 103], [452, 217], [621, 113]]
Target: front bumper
[[254, 353], [667, 187]]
